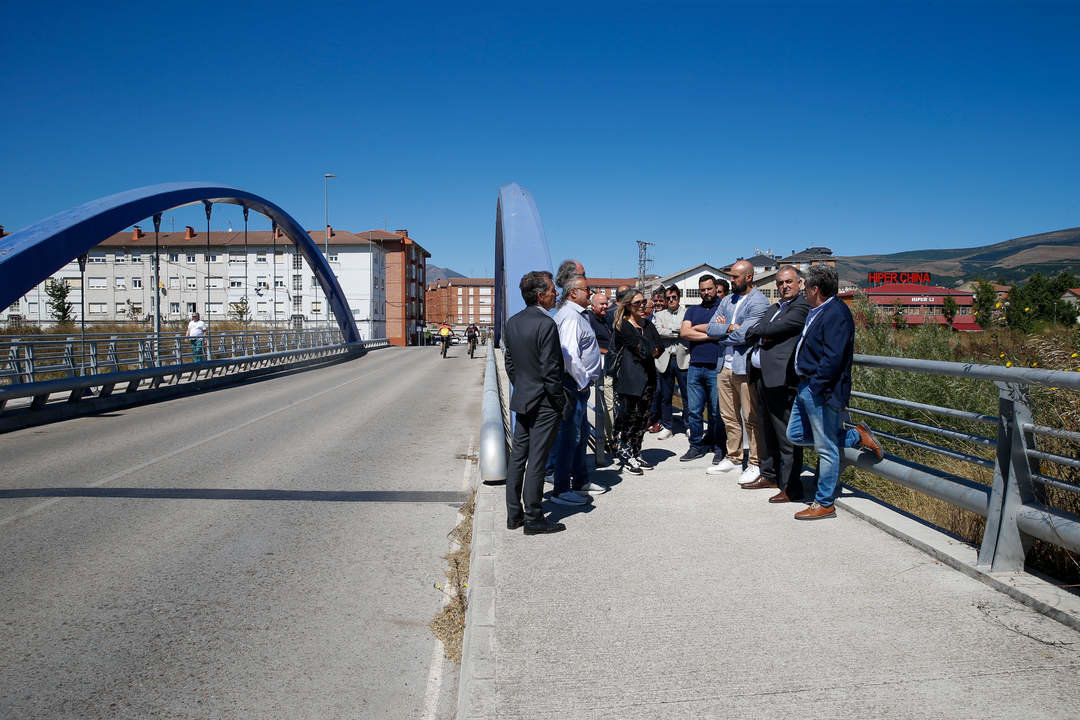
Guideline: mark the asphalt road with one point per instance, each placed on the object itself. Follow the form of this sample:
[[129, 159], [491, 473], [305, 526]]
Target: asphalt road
[[263, 551]]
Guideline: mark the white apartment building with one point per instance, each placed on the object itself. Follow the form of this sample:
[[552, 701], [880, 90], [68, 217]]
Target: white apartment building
[[214, 278]]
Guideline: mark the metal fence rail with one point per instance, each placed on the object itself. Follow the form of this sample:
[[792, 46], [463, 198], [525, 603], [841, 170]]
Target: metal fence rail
[[1014, 506], [37, 371]]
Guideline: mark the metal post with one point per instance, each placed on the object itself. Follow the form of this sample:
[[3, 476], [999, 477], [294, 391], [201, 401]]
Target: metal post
[[273, 235], [326, 245], [1004, 547], [157, 288], [246, 260], [208, 205], [82, 312]]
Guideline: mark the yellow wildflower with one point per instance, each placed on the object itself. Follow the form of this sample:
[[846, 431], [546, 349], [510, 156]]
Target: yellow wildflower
[[1008, 364]]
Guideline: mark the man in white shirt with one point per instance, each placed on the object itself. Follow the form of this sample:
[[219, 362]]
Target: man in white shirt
[[582, 365], [673, 362], [196, 328]]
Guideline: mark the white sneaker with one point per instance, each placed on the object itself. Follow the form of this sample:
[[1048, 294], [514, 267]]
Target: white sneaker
[[664, 434], [569, 498], [592, 488], [722, 467], [550, 479], [750, 474]]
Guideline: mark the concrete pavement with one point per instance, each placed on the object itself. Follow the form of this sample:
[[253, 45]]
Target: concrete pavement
[[262, 551], [680, 595]]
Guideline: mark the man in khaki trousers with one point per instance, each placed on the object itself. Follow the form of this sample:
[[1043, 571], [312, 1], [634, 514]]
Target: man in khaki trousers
[[735, 314]]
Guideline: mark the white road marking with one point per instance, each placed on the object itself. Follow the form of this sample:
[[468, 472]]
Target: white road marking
[[179, 451]]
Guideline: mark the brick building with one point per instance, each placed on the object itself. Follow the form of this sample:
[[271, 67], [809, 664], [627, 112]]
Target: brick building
[[920, 304], [461, 301], [406, 278]]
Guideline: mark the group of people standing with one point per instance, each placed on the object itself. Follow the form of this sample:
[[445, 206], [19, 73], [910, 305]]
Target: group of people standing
[[781, 371]]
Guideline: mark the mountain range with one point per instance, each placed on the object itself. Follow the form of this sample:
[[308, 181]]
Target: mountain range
[[436, 273], [1007, 262]]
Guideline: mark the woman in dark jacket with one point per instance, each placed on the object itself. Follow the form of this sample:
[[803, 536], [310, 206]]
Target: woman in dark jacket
[[634, 345]]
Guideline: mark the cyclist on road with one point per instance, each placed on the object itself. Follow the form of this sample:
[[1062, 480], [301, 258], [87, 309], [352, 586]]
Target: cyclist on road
[[472, 334], [445, 333]]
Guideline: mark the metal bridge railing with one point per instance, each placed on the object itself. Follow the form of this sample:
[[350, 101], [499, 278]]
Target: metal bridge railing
[[1015, 505], [37, 368]]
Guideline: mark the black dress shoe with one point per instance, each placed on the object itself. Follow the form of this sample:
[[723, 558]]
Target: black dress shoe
[[692, 454], [543, 527], [514, 524]]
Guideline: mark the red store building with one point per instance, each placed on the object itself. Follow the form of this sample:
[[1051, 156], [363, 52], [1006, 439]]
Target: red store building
[[920, 303]]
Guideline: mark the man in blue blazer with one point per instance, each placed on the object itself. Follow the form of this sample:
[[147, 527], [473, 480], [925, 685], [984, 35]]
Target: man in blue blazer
[[823, 360]]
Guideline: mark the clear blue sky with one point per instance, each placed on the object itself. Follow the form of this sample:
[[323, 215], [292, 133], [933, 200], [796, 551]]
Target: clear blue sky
[[707, 128]]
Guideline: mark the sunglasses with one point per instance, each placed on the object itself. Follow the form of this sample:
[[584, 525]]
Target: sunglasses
[[638, 303]]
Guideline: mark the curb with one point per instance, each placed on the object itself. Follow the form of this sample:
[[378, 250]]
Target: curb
[[1028, 588]]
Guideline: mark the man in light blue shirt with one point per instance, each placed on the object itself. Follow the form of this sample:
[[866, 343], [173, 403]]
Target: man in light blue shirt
[[735, 314], [582, 365]]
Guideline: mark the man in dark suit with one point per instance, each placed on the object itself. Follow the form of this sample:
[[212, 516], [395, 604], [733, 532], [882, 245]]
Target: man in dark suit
[[823, 364], [772, 373], [534, 364]]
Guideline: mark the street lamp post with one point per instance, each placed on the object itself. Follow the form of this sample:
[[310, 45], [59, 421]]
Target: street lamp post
[[326, 244]]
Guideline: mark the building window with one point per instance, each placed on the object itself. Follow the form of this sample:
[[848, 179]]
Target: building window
[[174, 308], [279, 282], [260, 308], [95, 308], [190, 257], [332, 257], [297, 262], [97, 283], [260, 281], [189, 283], [316, 306], [215, 282], [136, 282], [485, 291], [174, 257], [260, 257], [96, 259], [236, 282], [136, 258], [121, 308], [298, 283], [121, 283], [174, 282], [237, 257], [212, 258], [213, 308], [297, 305], [191, 308], [279, 306], [119, 258]]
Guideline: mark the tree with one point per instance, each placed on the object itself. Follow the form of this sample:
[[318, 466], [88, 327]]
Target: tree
[[133, 311], [949, 309], [985, 299], [59, 307], [240, 312]]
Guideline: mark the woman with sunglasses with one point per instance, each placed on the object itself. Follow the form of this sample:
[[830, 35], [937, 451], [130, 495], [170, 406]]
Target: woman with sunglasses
[[634, 345]]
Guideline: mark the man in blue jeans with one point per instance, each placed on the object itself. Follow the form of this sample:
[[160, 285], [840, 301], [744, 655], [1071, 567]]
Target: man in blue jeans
[[701, 374], [823, 360], [582, 365]]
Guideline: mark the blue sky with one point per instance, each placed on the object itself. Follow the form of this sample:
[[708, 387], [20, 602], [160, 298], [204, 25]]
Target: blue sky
[[709, 129]]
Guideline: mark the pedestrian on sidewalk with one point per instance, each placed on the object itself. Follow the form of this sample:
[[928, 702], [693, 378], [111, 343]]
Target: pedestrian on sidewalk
[[823, 360], [634, 346], [604, 402], [534, 364], [196, 331], [673, 361], [701, 375]]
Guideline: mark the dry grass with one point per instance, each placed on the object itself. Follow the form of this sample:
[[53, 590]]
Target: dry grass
[[1053, 407], [449, 624]]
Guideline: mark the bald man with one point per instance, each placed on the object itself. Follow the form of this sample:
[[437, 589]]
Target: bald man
[[735, 314]]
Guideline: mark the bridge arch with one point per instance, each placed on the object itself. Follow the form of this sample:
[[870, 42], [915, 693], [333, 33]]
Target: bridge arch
[[34, 253]]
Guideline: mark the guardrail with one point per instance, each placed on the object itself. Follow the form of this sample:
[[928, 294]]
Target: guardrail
[[492, 450], [1014, 506], [129, 362]]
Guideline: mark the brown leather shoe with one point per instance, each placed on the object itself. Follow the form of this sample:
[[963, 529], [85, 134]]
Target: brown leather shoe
[[868, 442], [654, 428], [762, 483], [816, 511], [780, 497]]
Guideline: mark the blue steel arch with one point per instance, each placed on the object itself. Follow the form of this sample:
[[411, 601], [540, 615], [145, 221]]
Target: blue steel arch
[[34, 253], [520, 246]]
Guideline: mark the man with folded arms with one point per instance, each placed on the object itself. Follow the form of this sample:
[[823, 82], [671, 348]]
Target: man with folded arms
[[735, 314], [772, 375], [701, 374], [823, 360], [534, 364], [674, 359]]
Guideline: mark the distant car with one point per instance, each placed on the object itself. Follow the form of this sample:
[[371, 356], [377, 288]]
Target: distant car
[[456, 340]]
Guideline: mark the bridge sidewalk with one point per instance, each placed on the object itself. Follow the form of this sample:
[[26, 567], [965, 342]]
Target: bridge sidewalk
[[680, 595]]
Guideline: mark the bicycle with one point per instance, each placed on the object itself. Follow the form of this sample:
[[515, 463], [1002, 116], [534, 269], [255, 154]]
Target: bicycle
[[472, 347], [445, 344]]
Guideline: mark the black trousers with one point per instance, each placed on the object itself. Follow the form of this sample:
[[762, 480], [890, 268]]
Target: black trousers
[[780, 460], [534, 434]]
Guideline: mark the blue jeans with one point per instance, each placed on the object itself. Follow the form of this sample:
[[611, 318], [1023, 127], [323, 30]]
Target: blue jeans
[[814, 423], [570, 445], [701, 386], [667, 391]]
